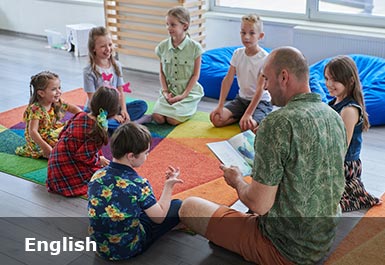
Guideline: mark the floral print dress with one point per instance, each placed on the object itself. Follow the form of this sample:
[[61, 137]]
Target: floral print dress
[[49, 128]]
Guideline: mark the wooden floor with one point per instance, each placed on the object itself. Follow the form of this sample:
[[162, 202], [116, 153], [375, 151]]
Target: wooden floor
[[22, 57]]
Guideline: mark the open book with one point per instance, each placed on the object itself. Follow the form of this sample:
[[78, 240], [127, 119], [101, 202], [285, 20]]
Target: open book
[[237, 151]]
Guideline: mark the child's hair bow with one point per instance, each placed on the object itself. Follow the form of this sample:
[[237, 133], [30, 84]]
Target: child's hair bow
[[102, 119]]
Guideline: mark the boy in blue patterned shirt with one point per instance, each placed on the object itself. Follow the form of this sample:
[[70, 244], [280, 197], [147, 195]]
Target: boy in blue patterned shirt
[[125, 217]]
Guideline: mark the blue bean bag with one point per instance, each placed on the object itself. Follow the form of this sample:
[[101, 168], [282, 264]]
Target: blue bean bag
[[214, 67], [372, 75]]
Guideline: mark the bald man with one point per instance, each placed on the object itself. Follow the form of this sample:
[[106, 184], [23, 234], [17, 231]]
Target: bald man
[[298, 176]]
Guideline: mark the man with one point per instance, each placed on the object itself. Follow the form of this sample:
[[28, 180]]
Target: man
[[297, 176]]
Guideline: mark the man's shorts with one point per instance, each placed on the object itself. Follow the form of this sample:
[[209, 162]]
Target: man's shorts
[[239, 233]]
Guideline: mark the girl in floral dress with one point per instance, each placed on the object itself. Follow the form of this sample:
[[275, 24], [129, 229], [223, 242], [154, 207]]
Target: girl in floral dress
[[42, 115]]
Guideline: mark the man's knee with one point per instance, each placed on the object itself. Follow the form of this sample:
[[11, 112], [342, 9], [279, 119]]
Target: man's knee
[[188, 206], [196, 212]]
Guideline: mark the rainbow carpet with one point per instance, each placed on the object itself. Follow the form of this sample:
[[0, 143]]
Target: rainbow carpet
[[365, 242], [183, 146]]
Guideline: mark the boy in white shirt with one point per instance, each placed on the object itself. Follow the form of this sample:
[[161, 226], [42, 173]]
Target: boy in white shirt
[[252, 102]]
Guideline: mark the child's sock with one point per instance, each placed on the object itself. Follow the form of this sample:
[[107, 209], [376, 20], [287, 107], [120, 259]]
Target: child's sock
[[144, 119]]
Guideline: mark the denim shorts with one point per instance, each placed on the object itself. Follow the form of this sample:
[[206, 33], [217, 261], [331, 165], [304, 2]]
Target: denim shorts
[[239, 105]]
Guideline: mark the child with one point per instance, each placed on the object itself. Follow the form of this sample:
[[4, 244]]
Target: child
[[180, 62], [343, 83], [43, 114], [77, 155], [125, 217], [252, 102], [104, 70]]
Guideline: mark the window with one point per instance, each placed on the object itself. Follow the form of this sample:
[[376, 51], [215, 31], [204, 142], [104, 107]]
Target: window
[[281, 6], [353, 12]]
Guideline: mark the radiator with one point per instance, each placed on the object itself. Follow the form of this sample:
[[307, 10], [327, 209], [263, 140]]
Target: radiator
[[320, 43]]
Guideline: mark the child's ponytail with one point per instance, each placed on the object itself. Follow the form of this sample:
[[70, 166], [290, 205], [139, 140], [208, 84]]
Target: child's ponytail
[[104, 105]]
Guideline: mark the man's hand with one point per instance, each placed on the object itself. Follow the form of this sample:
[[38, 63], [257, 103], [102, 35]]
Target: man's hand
[[232, 175]]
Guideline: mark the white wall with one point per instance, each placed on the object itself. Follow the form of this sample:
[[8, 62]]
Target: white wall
[[276, 33], [34, 16]]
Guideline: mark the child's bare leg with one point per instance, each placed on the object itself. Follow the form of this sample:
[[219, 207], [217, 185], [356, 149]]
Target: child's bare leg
[[226, 119], [159, 119], [172, 121]]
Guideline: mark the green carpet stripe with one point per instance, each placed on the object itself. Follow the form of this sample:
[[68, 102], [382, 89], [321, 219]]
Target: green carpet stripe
[[17, 165], [9, 141], [37, 176], [191, 155]]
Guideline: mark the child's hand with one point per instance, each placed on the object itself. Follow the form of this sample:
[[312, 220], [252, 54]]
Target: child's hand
[[47, 151], [255, 129], [167, 96], [119, 118], [172, 176], [175, 99], [103, 161], [125, 116], [216, 114], [247, 122]]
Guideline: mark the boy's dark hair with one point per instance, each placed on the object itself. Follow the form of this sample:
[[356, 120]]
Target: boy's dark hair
[[130, 138], [106, 99]]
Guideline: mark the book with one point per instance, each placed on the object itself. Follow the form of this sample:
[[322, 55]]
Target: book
[[236, 151]]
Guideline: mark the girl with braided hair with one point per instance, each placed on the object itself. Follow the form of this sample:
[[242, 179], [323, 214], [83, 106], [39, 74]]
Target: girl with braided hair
[[43, 114]]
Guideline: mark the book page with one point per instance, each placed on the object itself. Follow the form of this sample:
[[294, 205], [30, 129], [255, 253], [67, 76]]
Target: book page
[[243, 143], [229, 157]]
